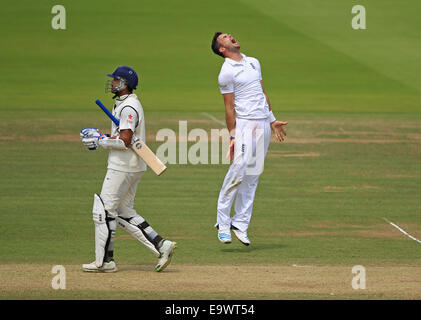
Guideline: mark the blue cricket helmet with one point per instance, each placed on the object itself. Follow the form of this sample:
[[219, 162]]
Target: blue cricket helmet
[[126, 73]]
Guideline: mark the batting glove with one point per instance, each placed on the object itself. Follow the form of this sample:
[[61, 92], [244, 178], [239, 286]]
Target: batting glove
[[89, 132], [89, 137], [90, 142], [103, 136]]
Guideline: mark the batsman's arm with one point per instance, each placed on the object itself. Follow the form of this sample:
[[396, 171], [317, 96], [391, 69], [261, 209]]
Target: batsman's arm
[[126, 135], [121, 142]]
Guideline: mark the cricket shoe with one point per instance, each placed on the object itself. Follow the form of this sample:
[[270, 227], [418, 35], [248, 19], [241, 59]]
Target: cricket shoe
[[224, 236], [241, 235], [167, 250], [106, 267]]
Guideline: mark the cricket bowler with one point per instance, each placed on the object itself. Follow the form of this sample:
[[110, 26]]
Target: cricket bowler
[[249, 120], [114, 205]]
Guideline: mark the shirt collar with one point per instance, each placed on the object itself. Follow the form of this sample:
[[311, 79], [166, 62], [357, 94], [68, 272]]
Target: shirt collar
[[122, 98], [233, 62]]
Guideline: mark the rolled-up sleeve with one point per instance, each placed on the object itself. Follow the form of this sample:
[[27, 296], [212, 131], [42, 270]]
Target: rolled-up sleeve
[[129, 118]]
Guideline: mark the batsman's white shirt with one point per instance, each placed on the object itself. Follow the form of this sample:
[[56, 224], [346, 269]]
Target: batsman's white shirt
[[129, 111], [243, 79]]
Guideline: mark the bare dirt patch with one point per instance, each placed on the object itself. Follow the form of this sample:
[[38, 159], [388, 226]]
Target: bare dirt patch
[[65, 137], [338, 140], [193, 120], [348, 188], [322, 224], [280, 154], [378, 231], [7, 138], [343, 189], [61, 137], [389, 281], [402, 176], [170, 236], [414, 136], [308, 233]]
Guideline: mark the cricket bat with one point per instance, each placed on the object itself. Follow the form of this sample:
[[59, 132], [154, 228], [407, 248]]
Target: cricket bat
[[139, 147]]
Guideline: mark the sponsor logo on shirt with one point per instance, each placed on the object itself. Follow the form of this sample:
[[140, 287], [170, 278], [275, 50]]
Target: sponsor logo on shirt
[[129, 120]]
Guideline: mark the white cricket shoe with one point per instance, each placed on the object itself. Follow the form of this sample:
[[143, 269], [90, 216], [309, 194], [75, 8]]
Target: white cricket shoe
[[167, 250], [106, 267], [242, 236], [224, 236]]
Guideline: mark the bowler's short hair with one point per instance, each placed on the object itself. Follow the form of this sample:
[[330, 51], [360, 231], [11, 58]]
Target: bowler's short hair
[[215, 44]]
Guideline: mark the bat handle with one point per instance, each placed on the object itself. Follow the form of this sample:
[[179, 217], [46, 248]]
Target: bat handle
[[107, 112]]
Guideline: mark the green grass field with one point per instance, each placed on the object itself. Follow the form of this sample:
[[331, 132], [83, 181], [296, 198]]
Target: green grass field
[[351, 158]]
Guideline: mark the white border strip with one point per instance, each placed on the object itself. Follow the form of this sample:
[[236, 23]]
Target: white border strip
[[222, 123], [403, 231]]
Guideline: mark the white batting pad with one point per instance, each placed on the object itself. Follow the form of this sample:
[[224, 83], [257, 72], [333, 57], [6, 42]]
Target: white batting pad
[[101, 230], [137, 234]]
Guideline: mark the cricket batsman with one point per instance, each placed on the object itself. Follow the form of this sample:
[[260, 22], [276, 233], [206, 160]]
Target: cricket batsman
[[249, 120], [114, 205]]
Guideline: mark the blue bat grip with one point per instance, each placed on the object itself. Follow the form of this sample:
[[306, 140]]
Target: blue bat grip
[[109, 114]]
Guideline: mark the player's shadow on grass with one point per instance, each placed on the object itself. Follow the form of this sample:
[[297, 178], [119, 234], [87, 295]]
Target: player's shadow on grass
[[253, 247]]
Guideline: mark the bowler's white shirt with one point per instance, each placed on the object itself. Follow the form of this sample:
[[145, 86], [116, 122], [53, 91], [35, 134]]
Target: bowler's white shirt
[[243, 79]]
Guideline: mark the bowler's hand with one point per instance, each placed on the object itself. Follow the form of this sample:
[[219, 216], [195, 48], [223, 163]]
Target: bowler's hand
[[230, 153], [277, 127]]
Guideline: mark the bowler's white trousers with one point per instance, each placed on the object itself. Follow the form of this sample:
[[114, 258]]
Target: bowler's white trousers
[[252, 139]]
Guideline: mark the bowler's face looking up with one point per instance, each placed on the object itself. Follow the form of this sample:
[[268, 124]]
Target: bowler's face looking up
[[227, 42]]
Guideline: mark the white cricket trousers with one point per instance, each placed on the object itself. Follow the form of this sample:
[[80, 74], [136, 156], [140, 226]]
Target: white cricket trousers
[[252, 139], [118, 192]]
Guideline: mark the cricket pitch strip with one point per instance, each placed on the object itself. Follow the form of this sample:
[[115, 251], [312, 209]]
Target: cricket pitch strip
[[34, 281]]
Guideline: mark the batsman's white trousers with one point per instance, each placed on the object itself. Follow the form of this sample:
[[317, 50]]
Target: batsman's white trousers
[[118, 192], [252, 139]]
